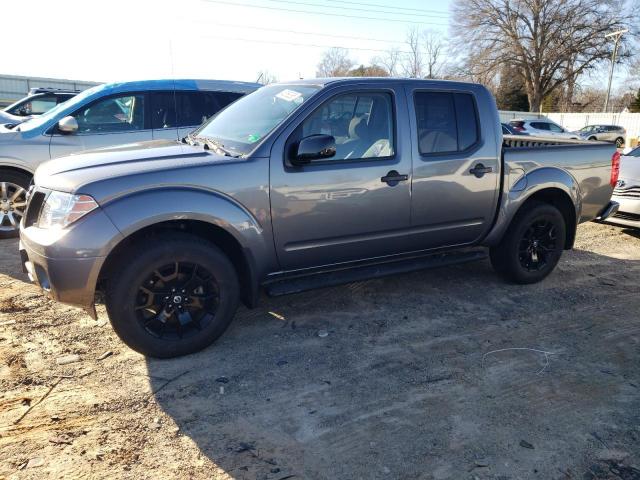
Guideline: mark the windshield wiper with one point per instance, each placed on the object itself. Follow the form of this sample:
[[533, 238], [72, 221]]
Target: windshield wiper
[[215, 145]]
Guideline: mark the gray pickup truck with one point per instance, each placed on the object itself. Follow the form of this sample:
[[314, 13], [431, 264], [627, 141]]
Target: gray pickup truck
[[304, 185]]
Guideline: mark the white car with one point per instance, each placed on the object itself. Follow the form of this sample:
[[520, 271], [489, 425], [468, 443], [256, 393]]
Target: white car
[[627, 191], [542, 127]]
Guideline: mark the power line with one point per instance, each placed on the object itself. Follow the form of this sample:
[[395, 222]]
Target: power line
[[354, 8], [295, 44], [236, 4], [300, 32], [438, 12]]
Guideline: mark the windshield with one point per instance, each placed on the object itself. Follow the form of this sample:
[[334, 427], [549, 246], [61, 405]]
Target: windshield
[[239, 127], [588, 128], [70, 104]]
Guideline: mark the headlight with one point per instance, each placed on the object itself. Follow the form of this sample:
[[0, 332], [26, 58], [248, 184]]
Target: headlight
[[62, 209]]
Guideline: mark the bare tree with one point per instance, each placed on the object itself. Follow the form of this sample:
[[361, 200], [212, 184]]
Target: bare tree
[[412, 64], [265, 77], [426, 56], [335, 62], [390, 61], [540, 37], [435, 53]]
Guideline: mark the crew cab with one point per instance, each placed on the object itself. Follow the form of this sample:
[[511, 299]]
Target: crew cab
[[303, 185]]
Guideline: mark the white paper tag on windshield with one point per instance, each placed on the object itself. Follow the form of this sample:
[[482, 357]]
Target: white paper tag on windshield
[[288, 95]]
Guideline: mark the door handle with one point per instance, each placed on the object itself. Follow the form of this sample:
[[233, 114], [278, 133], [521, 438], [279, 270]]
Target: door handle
[[393, 177], [479, 170]]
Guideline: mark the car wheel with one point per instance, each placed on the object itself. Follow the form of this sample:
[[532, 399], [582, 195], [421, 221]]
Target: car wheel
[[13, 201], [619, 142], [532, 246], [172, 296]]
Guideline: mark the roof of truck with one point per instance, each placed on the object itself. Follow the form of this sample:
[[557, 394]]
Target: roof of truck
[[345, 80]]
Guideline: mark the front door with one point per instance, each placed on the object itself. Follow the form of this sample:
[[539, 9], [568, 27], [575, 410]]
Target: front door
[[114, 120], [456, 172], [354, 205]]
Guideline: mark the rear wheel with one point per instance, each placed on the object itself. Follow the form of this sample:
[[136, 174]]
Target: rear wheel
[[173, 297], [13, 201], [619, 142], [532, 246]]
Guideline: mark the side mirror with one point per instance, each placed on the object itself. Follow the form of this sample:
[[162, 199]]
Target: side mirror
[[314, 147], [68, 125]]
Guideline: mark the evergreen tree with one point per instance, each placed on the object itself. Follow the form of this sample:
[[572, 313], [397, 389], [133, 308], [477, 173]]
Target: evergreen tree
[[511, 93], [634, 106]]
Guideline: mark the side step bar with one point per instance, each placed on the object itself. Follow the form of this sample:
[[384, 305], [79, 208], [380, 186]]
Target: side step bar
[[366, 272]]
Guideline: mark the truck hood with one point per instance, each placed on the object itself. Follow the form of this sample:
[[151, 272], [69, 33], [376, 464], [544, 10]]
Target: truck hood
[[92, 171]]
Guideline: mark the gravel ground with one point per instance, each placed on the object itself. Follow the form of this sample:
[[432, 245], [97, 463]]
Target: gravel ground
[[442, 374]]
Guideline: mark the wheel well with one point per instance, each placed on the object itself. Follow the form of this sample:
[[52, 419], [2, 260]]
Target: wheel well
[[21, 171], [212, 233], [562, 201]]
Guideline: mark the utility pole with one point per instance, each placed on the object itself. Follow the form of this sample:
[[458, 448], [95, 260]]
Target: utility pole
[[616, 36]]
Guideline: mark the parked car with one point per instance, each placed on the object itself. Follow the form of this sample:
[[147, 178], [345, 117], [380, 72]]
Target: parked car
[[39, 101], [604, 133], [542, 127], [627, 191], [102, 116], [302, 185], [509, 130]]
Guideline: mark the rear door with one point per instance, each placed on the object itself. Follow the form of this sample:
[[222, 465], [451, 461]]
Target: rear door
[[456, 166], [196, 107], [162, 109], [113, 120], [347, 207]]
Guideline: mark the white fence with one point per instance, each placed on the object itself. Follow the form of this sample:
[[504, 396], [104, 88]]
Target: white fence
[[575, 121]]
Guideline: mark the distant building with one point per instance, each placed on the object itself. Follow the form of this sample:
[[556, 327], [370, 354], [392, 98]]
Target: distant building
[[14, 87]]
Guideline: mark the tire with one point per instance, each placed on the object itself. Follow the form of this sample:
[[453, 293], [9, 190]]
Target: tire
[[619, 142], [146, 299], [528, 252], [13, 202]]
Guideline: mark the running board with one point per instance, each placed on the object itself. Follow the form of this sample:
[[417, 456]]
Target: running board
[[366, 272]]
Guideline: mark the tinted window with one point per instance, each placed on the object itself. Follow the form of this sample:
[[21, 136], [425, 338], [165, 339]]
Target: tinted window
[[447, 122], [163, 110], [362, 125], [540, 125], [194, 108], [505, 130], [555, 128], [466, 119], [114, 114]]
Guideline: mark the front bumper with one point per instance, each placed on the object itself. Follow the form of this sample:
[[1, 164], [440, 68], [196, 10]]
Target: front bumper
[[628, 214], [67, 280], [66, 264]]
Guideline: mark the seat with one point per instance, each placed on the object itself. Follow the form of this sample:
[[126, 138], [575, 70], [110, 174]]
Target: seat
[[436, 141]]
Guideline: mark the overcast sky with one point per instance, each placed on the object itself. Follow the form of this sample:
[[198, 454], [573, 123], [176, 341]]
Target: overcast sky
[[219, 39]]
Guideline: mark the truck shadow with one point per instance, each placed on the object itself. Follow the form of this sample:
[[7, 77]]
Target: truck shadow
[[389, 379], [10, 259]]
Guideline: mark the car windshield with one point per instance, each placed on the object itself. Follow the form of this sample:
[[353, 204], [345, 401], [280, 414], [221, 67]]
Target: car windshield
[[239, 127], [588, 128], [70, 104]]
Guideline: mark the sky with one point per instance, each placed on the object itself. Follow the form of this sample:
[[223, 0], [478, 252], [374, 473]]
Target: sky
[[218, 39], [113, 40]]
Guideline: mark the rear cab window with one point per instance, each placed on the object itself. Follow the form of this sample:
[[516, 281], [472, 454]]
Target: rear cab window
[[447, 122]]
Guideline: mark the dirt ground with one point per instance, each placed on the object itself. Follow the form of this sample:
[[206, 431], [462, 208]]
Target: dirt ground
[[401, 378]]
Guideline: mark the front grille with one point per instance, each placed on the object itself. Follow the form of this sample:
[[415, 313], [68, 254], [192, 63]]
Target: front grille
[[627, 192], [628, 216], [36, 200]]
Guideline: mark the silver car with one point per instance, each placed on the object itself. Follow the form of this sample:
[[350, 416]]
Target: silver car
[[627, 191], [604, 133], [543, 128], [104, 116]]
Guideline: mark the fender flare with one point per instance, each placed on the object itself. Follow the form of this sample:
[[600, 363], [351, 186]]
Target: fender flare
[[533, 182]]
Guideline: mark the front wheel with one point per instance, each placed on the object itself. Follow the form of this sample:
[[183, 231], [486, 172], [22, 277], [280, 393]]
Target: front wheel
[[532, 246], [13, 201], [172, 295]]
